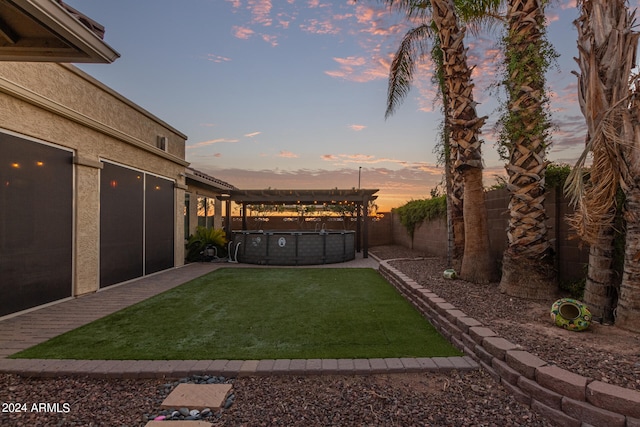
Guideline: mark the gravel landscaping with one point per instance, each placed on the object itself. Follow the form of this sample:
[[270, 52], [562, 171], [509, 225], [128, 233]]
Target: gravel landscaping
[[470, 399], [430, 399], [603, 353]]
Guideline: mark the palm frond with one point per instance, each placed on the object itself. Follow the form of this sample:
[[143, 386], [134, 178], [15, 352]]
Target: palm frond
[[481, 15], [607, 48], [595, 199], [420, 9], [413, 47]]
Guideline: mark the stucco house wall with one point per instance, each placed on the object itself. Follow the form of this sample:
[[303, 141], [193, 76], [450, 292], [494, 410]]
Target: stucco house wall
[[59, 105]]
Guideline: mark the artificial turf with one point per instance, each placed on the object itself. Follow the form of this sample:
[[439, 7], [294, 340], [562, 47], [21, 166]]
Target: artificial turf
[[259, 313]]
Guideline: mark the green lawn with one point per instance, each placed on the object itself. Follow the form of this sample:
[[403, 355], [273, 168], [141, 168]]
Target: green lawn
[[254, 313]]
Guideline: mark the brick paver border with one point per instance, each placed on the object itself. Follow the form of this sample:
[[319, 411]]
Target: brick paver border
[[566, 398]]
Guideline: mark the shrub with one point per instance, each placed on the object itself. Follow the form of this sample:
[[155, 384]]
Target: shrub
[[203, 237], [417, 211]]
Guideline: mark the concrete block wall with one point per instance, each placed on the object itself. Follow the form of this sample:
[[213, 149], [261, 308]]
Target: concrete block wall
[[566, 399], [497, 203], [571, 259], [429, 237]]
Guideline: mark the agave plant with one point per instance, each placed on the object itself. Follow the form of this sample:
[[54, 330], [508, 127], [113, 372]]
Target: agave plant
[[201, 239]]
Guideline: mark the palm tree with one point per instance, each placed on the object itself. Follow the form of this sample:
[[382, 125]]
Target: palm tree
[[453, 179], [628, 310], [462, 119], [528, 267], [607, 48], [414, 46], [464, 137]]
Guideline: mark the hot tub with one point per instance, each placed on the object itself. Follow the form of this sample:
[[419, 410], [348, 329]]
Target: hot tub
[[294, 247]]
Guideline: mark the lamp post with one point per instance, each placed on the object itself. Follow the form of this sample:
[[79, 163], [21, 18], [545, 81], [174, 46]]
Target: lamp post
[[359, 173]]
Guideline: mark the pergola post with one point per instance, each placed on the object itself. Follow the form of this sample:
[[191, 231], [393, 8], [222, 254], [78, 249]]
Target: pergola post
[[227, 214], [365, 234], [358, 229], [244, 216], [217, 214]]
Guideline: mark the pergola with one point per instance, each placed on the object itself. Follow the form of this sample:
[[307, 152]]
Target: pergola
[[358, 197]]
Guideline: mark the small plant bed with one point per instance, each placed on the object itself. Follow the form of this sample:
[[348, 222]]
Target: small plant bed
[[259, 313]]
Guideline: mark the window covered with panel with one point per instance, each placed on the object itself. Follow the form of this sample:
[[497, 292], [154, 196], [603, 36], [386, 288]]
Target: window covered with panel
[[36, 223], [159, 224], [121, 224]]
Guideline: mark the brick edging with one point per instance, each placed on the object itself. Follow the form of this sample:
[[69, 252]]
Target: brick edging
[[174, 369], [563, 397]]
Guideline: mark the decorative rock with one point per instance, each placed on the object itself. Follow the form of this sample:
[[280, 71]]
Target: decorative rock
[[160, 418], [194, 412], [449, 273], [570, 314], [205, 412], [184, 411], [175, 414], [229, 401]]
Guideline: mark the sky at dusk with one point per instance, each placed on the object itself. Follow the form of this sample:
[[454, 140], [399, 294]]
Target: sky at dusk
[[292, 93]]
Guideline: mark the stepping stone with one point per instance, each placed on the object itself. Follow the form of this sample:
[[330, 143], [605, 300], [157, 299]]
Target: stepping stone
[[197, 396], [178, 424]]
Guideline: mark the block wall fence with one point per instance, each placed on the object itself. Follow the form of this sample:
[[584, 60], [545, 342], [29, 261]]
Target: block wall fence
[[430, 237]]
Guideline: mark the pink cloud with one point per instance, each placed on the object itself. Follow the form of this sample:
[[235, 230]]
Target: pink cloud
[[217, 58], [567, 4], [287, 154], [357, 128], [315, 26], [552, 17], [252, 134], [345, 159], [271, 39], [242, 32], [284, 20], [378, 21], [210, 142], [261, 12], [360, 69]]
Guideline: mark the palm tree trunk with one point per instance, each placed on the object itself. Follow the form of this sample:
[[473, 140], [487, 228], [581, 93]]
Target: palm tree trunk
[[465, 129], [528, 267], [457, 218], [476, 262], [628, 310], [453, 178], [600, 292]]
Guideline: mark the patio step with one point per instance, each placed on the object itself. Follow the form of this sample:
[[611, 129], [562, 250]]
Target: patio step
[[193, 396], [197, 396]]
